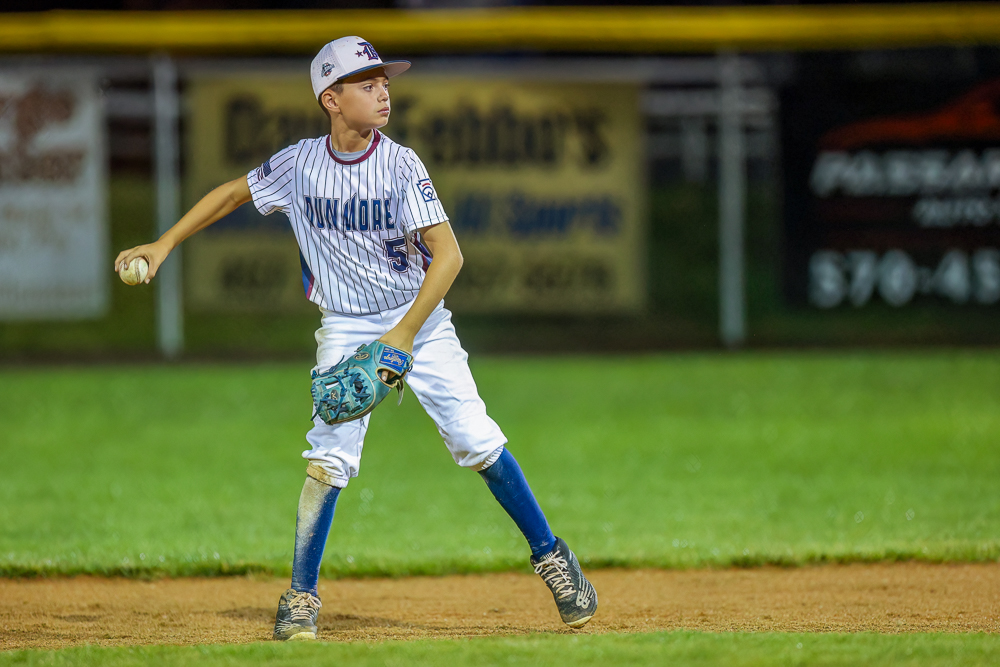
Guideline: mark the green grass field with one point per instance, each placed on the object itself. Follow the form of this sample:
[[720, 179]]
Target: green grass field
[[668, 461], [673, 648]]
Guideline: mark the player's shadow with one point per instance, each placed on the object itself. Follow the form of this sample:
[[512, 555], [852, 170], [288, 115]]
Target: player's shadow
[[327, 622], [348, 622], [343, 626]]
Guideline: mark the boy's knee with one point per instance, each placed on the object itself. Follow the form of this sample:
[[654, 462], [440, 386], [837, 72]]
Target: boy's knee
[[326, 475], [476, 455], [491, 459], [474, 441]]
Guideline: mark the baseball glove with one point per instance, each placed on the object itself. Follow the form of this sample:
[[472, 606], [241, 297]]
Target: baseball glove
[[353, 388]]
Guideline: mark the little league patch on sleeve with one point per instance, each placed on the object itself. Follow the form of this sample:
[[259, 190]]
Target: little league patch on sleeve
[[427, 189]]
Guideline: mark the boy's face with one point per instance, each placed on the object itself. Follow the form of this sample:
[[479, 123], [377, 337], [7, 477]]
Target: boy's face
[[364, 102]]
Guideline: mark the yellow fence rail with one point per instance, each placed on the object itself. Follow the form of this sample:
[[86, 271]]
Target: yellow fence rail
[[633, 29]]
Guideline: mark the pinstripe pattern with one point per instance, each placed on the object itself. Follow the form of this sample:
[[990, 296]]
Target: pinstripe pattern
[[356, 221]]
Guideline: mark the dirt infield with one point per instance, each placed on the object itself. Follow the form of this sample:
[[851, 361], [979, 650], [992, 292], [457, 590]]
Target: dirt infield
[[54, 613]]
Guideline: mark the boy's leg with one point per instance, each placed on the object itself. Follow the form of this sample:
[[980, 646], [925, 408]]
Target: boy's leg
[[299, 606], [312, 526], [334, 457], [508, 485], [443, 383], [551, 557]]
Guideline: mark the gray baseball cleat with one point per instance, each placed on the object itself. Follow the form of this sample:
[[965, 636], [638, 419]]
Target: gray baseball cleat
[[574, 595], [296, 617]]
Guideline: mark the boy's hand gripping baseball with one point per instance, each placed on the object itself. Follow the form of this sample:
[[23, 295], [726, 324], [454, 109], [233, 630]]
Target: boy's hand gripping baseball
[[154, 253]]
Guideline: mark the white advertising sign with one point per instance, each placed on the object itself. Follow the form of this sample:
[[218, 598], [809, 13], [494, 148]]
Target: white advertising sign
[[53, 189]]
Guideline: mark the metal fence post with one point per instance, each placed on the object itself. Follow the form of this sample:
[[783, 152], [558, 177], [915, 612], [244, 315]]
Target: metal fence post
[[169, 297], [732, 204]]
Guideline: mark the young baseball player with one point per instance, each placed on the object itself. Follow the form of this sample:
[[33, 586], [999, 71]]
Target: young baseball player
[[378, 256]]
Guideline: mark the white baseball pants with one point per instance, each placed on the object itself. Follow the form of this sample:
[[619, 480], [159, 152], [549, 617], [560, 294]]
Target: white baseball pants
[[440, 378]]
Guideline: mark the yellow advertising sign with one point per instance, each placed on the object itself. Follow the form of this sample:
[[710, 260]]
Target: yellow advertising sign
[[543, 183]]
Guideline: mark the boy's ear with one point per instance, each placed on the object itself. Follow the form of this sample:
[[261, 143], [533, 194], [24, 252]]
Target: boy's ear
[[329, 101]]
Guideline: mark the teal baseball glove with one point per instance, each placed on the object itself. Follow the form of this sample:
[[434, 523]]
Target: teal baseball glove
[[353, 388]]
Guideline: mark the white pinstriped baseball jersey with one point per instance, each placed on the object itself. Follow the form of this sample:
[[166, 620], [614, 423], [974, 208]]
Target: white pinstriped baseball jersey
[[356, 221]]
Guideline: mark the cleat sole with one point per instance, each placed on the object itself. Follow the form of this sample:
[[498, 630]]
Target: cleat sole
[[580, 623]]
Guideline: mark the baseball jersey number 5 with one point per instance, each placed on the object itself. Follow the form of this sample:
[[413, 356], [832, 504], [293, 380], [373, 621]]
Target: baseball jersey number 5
[[395, 252]]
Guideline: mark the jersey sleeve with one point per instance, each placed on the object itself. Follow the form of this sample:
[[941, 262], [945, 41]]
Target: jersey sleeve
[[420, 206], [271, 184]]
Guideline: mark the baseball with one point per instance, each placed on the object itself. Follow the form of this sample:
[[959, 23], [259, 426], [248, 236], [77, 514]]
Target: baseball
[[135, 272]]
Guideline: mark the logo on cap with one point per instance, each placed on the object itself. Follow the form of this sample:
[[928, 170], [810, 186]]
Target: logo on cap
[[327, 68], [367, 50]]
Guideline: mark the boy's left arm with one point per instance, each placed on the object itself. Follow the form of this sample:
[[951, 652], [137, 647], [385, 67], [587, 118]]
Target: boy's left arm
[[443, 246]]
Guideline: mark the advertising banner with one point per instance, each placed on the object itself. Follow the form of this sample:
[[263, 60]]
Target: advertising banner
[[543, 183], [53, 186], [892, 189]]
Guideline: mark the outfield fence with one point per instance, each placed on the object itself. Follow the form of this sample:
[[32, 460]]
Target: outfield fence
[[681, 181], [608, 29]]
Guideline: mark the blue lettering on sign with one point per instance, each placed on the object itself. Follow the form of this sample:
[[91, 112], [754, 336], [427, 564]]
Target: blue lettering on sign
[[529, 218], [526, 217], [603, 215], [472, 213]]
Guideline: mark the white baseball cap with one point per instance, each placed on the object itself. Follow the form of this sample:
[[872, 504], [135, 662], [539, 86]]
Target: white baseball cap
[[346, 56]]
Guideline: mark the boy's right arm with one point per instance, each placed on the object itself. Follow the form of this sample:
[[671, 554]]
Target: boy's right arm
[[217, 204]]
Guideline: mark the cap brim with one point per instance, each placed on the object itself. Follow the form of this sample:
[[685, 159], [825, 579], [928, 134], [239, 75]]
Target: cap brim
[[392, 68]]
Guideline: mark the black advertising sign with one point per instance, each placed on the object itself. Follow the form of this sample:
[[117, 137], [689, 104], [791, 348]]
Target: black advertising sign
[[892, 189]]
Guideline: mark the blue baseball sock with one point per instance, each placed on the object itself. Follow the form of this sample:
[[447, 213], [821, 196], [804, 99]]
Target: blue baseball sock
[[511, 490], [312, 527]]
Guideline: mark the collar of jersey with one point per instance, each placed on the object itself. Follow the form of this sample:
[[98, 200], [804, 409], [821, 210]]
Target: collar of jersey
[[371, 149]]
